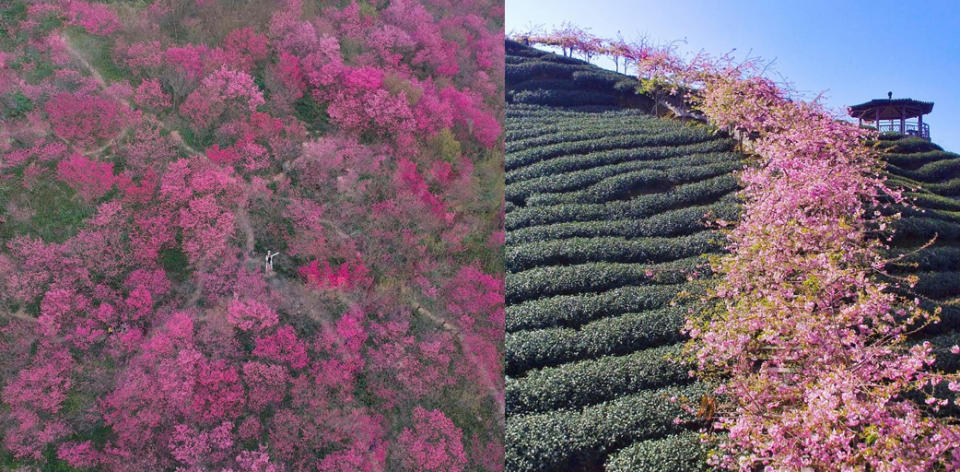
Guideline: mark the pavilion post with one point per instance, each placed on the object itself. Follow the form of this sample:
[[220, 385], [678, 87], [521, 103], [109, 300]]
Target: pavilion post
[[903, 120], [877, 111]]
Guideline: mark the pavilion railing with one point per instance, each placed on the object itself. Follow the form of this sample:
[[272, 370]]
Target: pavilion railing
[[910, 129]]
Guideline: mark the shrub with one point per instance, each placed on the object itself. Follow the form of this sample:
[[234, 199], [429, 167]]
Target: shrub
[[570, 98], [533, 440], [557, 165], [678, 136], [575, 310], [613, 335], [588, 382], [671, 223], [610, 249], [683, 452], [627, 185]]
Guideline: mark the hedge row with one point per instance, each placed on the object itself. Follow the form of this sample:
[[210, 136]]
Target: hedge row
[[575, 310], [524, 130], [593, 381], [521, 111], [567, 440], [682, 452], [938, 284], [666, 138], [599, 80], [557, 165], [598, 276], [913, 161], [631, 184], [614, 335], [509, 207], [521, 257], [911, 144], [597, 122], [935, 258], [933, 201], [515, 73], [575, 180], [642, 206], [569, 98], [949, 187], [625, 218], [923, 228], [583, 131], [539, 84], [933, 171]]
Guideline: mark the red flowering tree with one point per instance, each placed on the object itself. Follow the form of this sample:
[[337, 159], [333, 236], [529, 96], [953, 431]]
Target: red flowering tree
[[268, 248]]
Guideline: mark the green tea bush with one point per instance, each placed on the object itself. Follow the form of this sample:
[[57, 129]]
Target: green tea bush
[[612, 249], [597, 276], [588, 382], [668, 206], [614, 335], [557, 165], [626, 185], [681, 452], [558, 440], [570, 181], [575, 310], [564, 97], [666, 138]]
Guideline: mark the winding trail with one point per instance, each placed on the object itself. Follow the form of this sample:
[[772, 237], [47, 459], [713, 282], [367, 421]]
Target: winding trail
[[242, 221]]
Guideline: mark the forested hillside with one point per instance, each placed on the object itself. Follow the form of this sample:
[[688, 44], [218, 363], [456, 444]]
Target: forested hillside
[[251, 235]]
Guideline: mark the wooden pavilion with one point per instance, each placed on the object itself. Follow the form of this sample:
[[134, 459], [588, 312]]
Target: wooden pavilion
[[891, 115]]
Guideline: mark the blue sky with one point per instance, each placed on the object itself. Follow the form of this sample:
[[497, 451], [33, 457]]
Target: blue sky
[[853, 51]]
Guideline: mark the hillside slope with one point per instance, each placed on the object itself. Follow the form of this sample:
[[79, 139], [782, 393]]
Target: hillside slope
[[605, 211]]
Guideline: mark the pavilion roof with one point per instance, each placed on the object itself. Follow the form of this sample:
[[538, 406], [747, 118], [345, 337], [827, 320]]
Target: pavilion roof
[[890, 109]]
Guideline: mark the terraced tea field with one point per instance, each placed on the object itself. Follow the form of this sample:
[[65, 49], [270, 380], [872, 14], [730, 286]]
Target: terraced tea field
[[605, 212]]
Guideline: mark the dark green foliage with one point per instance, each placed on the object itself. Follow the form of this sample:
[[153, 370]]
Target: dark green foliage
[[631, 184], [910, 144], [516, 73], [936, 258], [605, 81], [522, 257], [932, 171], [15, 105], [598, 276], [564, 97], [614, 335], [561, 134], [558, 440], [575, 310], [313, 114], [592, 381], [579, 179], [668, 223], [933, 201], [921, 229], [682, 452], [175, 263], [678, 136], [552, 84], [605, 221], [938, 284], [558, 165], [201, 140]]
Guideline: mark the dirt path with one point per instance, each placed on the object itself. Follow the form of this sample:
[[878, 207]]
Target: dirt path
[[243, 223], [98, 78]]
